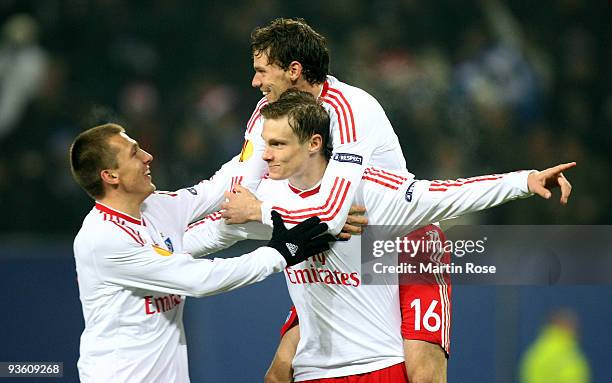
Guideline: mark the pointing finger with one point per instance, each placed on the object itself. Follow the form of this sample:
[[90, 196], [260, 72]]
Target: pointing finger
[[562, 167]]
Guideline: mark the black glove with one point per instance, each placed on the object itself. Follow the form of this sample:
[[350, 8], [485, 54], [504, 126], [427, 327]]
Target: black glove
[[299, 243]]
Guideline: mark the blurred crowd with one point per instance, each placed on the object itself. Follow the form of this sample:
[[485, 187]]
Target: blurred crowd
[[471, 87]]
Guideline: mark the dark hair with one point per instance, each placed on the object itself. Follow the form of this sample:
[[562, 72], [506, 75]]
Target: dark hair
[[306, 116], [287, 40], [90, 153]]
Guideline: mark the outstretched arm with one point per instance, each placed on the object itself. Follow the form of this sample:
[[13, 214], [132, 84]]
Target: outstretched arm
[[421, 202]]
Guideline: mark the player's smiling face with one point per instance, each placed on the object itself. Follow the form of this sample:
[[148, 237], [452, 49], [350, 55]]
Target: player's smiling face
[[133, 174], [269, 78], [285, 155]]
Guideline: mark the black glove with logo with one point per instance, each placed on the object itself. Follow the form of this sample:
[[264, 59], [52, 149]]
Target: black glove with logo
[[300, 242]]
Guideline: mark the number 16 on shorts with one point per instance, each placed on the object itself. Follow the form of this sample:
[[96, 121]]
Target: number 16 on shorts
[[426, 313]]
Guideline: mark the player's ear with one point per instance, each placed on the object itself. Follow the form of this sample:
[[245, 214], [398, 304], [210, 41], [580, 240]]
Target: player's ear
[[109, 176], [295, 70], [316, 143]]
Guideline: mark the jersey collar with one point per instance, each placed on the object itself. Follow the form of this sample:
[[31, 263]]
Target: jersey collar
[[105, 209], [305, 193]]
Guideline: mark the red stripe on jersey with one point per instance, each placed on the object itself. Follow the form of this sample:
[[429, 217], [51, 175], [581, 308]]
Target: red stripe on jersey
[[256, 114], [325, 89], [348, 106], [124, 228], [380, 182], [283, 210], [294, 189], [115, 213], [340, 127], [462, 181], [340, 186], [444, 185], [211, 217], [335, 102], [235, 181], [326, 212], [136, 233], [171, 194], [380, 171], [304, 193], [310, 192], [382, 177]]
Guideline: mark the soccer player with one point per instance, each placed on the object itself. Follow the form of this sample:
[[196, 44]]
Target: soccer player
[[347, 328], [288, 53], [426, 346], [132, 271]]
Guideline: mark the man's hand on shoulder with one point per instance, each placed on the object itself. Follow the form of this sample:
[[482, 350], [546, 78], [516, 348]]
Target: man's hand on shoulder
[[241, 206]]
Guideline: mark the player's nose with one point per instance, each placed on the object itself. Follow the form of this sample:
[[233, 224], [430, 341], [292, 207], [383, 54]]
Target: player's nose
[[266, 156], [255, 82], [147, 157]]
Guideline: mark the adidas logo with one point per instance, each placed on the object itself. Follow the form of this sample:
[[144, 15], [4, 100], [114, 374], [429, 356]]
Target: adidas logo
[[292, 248]]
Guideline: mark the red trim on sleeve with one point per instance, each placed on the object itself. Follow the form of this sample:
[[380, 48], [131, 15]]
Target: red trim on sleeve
[[340, 125], [211, 217], [256, 114], [291, 321], [237, 180], [383, 173], [350, 110], [439, 185], [383, 183], [384, 178]]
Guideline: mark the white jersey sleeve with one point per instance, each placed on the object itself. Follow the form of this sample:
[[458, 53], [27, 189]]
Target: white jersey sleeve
[[121, 260], [192, 203], [212, 234], [394, 200]]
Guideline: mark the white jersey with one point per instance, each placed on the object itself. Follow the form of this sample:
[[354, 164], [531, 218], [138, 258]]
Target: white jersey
[[133, 278], [347, 327], [361, 135]]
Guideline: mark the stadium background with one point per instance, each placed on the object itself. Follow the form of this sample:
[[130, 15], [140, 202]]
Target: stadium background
[[471, 87]]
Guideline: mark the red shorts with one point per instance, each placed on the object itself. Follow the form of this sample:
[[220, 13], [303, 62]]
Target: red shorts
[[425, 298], [391, 374]]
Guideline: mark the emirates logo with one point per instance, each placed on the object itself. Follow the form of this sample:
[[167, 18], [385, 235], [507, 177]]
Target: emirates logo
[[292, 248]]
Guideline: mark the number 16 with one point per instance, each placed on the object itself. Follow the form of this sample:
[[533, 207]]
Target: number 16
[[429, 315]]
